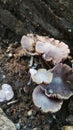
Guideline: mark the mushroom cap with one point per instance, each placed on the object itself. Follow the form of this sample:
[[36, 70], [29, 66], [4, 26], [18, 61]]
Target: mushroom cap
[[61, 86], [52, 50], [41, 76], [7, 89], [6, 93], [2, 96], [45, 103], [27, 42], [32, 71]]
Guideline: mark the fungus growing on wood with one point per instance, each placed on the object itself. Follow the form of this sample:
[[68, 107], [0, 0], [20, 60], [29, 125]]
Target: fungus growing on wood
[[45, 103], [41, 76], [50, 49]]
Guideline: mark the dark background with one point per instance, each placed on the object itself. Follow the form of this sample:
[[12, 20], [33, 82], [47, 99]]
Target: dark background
[[44, 17]]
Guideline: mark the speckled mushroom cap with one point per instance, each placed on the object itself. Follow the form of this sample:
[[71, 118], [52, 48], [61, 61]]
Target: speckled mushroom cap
[[45, 103], [61, 86]]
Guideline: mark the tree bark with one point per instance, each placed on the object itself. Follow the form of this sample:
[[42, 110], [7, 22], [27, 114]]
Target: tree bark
[[45, 17]]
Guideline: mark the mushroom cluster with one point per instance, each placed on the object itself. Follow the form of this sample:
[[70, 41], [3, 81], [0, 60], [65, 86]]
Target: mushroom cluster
[[49, 97], [49, 48], [56, 84]]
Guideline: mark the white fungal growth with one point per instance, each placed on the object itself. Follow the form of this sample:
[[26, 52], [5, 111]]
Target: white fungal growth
[[41, 76], [32, 71], [6, 93]]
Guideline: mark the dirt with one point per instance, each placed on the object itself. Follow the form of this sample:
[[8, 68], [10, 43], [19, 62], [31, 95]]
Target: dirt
[[14, 70]]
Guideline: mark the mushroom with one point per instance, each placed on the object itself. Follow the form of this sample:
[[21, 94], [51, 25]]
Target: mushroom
[[46, 104], [41, 76], [6, 93], [27, 43], [50, 48], [61, 86], [49, 97]]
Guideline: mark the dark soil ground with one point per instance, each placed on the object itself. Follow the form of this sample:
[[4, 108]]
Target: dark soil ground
[[15, 71]]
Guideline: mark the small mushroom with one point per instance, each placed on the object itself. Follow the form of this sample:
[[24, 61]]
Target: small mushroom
[[6, 93], [45, 103], [27, 43], [61, 86], [50, 49], [54, 51], [41, 76]]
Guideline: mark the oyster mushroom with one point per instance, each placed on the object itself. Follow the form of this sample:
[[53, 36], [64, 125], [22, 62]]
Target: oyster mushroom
[[45, 103], [61, 86], [41, 76]]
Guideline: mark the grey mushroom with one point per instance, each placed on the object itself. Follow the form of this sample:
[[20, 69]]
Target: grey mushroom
[[45, 103], [61, 86]]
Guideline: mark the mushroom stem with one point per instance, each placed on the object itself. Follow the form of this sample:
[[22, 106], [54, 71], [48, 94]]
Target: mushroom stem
[[31, 61]]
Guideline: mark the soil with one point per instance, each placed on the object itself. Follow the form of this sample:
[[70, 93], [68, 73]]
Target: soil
[[14, 70]]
